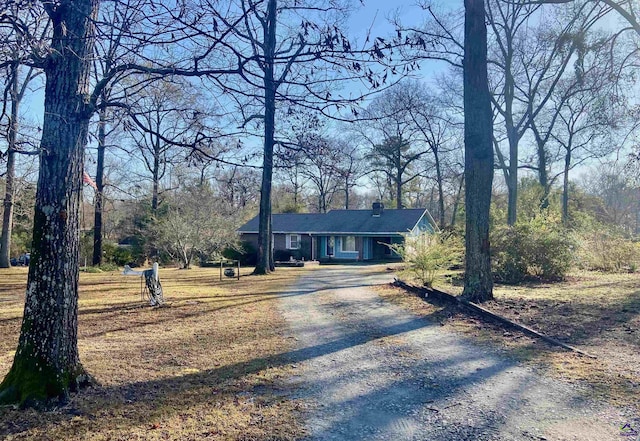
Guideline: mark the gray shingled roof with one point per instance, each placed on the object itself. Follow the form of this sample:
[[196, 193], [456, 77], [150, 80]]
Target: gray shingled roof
[[342, 222]]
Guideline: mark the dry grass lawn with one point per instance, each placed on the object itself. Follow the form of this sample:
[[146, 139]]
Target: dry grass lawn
[[207, 366], [598, 313], [211, 365]]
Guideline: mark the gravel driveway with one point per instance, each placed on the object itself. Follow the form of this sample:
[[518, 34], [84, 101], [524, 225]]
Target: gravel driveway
[[370, 370]]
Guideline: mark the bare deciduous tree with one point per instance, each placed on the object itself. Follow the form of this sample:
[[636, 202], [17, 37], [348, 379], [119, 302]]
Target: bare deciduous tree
[[291, 53], [163, 113], [389, 128], [320, 167], [196, 224], [17, 82], [527, 63]]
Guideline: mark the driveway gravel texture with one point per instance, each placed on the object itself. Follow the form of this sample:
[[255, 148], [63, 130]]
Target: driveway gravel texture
[[367, 369]]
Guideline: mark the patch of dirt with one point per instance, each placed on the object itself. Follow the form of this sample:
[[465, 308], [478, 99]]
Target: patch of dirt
[[595, 312]]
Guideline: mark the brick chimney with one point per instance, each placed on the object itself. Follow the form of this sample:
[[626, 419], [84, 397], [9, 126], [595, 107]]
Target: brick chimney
[[377, 209]]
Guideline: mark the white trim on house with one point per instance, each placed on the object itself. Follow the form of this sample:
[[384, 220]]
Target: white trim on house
[[291, 244], [430, 220]]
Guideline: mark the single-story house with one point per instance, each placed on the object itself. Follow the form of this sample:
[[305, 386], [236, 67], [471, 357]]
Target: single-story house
[[353, 235]]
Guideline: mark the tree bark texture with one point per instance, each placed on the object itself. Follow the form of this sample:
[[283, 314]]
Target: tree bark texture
[[47, 364], [478, 282], [99, 198], [265, 262], [7, 215]]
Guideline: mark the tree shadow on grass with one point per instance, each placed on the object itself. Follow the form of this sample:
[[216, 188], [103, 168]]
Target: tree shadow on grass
[[149, 401], [204, 308], [137, 400], [197, 387]]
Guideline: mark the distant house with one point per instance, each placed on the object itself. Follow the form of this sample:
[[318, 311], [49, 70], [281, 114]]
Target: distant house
[[350, 235]]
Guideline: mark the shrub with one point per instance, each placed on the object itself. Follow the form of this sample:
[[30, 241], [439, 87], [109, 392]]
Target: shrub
[[116, 254], [109, 267], [91, 269], [426, 255], [20, 242], [247, 255], [508, 261], [104, 268], [603, 249], [286, 255], [538, 249]]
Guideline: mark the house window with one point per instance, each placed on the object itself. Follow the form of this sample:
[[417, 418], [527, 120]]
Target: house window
[[293, 241], [348, 243]]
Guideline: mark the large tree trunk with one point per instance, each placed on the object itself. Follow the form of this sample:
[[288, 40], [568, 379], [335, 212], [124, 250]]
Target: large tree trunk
[[99, 198], [265, 253], [47, 364], [7, 216], [478, 282]]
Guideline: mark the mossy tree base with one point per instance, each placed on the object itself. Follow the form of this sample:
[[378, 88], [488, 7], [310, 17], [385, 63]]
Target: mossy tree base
[[41, 387]]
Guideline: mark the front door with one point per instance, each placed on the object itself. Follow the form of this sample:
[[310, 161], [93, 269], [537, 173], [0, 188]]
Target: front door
[[330, 245]]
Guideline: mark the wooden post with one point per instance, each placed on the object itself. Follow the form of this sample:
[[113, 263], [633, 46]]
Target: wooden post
[[238, 269], [221, 270]]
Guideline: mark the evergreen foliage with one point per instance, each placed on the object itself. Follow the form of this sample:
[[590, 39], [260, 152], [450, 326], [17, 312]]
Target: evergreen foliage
[[536, 249]]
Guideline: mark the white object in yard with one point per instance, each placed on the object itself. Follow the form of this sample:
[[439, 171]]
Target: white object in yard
[[152, 288], [130, 272]]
